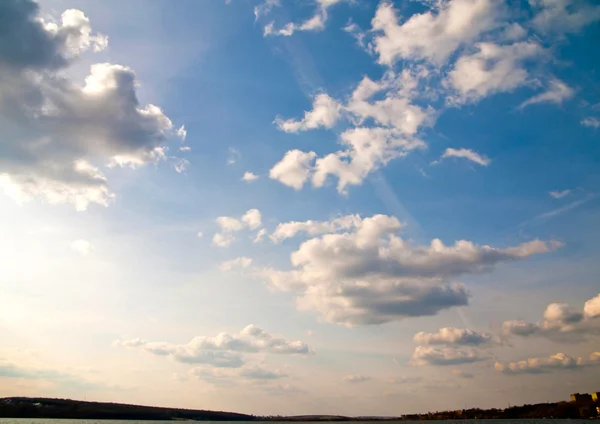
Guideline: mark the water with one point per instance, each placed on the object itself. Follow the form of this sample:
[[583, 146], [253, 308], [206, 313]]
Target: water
[[60, 421]]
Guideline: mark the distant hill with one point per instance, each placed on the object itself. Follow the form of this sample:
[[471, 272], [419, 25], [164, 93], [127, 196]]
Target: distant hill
[[22, 407]]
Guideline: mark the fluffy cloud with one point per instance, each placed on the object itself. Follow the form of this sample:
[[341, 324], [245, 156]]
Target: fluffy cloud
[[250, 176], [561, 321], [364, 148], [563, 16], [224, 350], [367, 149], [466, 154], [559, 361], [312, 228], [370, 275], [228, 225], [58, 131], [355, 378], [325, 113], [83, 247], [559, 194], [453, 336], [294, 169], [429, 355], [434, 35], [556, 93], [493, 68]]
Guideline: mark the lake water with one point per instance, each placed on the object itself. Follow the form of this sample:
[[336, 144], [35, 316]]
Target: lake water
[[56, 421]]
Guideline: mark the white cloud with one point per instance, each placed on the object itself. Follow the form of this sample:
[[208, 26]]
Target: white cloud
[[370, 275], [185, 149], [356, 378], [432, 35], [228, 225], [453, 336], [591, 308], [237, 263], [325, 113], [559, 194], [466, 154], [367, 150], [563, 16], [492, 69], [287, 230], [293, 169], [249, 177], [223, 240], [252, 218], [429, 355], [224, 350], [181, 133], [591, 122], [314, 23], [561, 321], [58, 131], [557, 92], [83, 247], [200, 234], [364, 149], [559, 361], [260, 236], [265, 8]]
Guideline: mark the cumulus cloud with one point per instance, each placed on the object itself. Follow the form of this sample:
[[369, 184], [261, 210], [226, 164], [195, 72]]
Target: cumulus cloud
[[356, 378], [563, 16], [224, 350], [559, 361], [492, 69], [251, 220], [591, 122], [370, 275], [429, 355], [59, 132], [367, 149], [249, 177], [466, 154], [364, 148], [433, 35], [561, 321], [290, 229], [294, 169], [453, 336], [325, 113], [559, 194], [557, 92], [83, 247]]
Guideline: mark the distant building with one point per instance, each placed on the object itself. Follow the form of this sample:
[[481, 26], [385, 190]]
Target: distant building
[[581, 397]]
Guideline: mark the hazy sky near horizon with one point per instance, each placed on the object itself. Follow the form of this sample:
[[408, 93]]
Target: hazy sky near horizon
[[349, 207]]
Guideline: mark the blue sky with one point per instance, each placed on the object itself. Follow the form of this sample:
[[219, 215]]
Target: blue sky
[[332, 204]]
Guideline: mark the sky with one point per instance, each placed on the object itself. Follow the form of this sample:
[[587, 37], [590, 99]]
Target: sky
[[352, 207]]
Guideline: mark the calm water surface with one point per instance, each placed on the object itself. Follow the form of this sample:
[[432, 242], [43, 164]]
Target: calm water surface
[[53, 421]]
